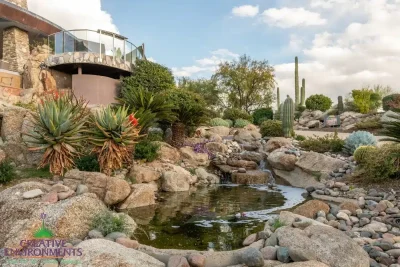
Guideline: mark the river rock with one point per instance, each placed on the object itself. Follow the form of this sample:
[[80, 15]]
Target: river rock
[[375, 226], [32, 193], [126, 242], [282, 253], [95, 234], [196, 260], [116, 190], [311, 208], [251, 156], [206, 178], [141, 195], [304, 264], [277, 142], [269, 253], [250, 240], [278, 159], [350, 206], [251, 177], [252, 258], [144, 174]]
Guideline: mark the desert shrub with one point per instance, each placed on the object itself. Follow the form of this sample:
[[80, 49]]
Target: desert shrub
[[230, 123], [391, 102], [277, 223], [7, 172], [271, 128], [381, 164], [88, 163], [155, 136], [146, 150], [361, 153], [327, 143], [240, 123], [31, 106], [369, 124], [318, 102], [108, 222], [300, 137], [356, 139], [262, 114], [219, 122], [234, 113], [362, 99]]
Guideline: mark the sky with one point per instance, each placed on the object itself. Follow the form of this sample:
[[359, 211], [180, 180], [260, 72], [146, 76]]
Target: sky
[[341, 44]]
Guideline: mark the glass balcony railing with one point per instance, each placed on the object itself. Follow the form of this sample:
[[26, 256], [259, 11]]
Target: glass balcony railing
[[100, 42]]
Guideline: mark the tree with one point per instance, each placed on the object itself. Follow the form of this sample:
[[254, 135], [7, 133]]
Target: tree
[[151, 76], [318, 102], [249, 84], [207, 88]]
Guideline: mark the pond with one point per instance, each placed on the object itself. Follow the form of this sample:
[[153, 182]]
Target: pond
[[217, 217]]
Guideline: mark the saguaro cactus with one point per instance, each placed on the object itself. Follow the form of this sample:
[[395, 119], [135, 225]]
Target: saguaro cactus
[[296, 81], [278, 98], [303, 93], [340, 105], [287, 117]]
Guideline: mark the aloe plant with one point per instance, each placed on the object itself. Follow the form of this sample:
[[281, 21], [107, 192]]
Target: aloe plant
[[58, 128], [113, 133]]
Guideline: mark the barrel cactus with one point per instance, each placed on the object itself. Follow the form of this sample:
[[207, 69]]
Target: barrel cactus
[[287, 117], [357, 139], [361, 152]]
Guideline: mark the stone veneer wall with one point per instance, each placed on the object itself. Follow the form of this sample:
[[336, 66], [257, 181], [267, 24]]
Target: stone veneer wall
[[15, 48], [21, 3]]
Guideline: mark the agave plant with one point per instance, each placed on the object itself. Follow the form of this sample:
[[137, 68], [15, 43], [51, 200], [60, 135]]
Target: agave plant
[[58, 129], [113, 134]]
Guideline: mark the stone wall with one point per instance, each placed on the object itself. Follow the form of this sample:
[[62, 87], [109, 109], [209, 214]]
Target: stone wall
[[21, 3], [63, 80], [15, 48]]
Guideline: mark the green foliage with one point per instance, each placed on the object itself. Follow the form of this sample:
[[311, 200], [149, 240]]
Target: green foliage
[[391, 102], [366, 100], [58, 128], [149, 107], [381, 164], [262, 113], [248, 83], [361, 153], [219, 122], [7, 172], [190, 108], [300, 137], [288, 117], [318, 102], [278, 97], [35, 173], [356, 139], [391, 128], [370, 124], [240, 123], [207, 88], [230, 123], [155, 136], [278, 223], [327, 143], [88, 163], [234, 113], [107, 222], [147, 150], [31, 106], [271, 128], [152, 76]]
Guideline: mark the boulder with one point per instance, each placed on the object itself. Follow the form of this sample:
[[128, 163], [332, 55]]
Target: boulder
[[141, 195], [116, 190], [216, 147], [252, 156], [243, 136], [325, 244], [220, 130], [13, 118], [277, 142], [304, 264], [248, 165], [168, 153], [313, 124], [313, 162], [288, 218], [278, 159], [251, 177], [205, 177], [193, 158], [105, 253], [310, 208], [177, 179], [300, 178], [143, 174]]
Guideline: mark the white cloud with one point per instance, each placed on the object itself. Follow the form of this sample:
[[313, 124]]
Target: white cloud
[[245, 11], [205, 66], [296, 42], [74, 14], [151, 59], [291, 17]]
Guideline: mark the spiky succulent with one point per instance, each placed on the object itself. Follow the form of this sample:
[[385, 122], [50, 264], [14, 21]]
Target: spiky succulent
[[113, 133], [57, 128]]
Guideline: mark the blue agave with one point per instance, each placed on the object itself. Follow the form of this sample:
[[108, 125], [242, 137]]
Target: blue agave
[[357, 139]]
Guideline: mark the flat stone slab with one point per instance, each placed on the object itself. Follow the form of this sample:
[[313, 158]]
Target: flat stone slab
[[338, 200], [32, 193]]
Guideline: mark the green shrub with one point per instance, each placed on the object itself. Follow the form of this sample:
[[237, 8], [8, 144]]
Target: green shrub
[[361, 153], [31, 106], [271, 128], [230, 123], [88, 163], [362, 99], [234, 113], [300, 137], [219, 122], [239, 123], [277, 224], [108, 222], [356, 139], [369, 124], [391, 102], [155, 136], [146, 150], [318, 102], [7, 172], [262, 114], [327, 143]]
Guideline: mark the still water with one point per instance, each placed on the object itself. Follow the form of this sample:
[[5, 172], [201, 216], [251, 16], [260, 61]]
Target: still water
[[217, 217]]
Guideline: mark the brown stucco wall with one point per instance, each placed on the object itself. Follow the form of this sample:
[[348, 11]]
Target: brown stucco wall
[[95, 89]]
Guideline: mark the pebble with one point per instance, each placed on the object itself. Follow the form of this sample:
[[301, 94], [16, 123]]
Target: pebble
[[342, 216], [269, 253], [114, 235], [252, 257], [95, 234], [32, 193], [177, 261]]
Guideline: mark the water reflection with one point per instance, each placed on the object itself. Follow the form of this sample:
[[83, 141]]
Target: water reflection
[[218, 217]]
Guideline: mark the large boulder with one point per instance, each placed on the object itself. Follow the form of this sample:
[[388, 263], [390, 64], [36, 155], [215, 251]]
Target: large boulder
[[220, 130], [244, 136], [303, 264], [116, 190], [141, 195], [288, 218], [300, 178], [105, 253], [205, 177], [144, 174], [252, 156], [248, 165], [313, 162], [280, 160], [168, 153], [325, 244], [251, 177], [310, 208], [177, 179], [216, 147], [13, 118], [193, 158], [277, 142]]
